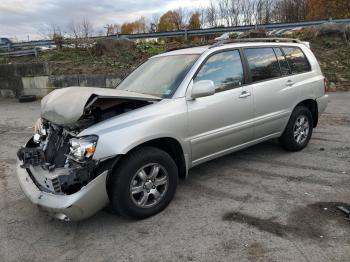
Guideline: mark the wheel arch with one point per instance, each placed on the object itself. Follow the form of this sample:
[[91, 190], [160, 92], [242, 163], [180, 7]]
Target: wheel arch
[[311, 104], [171, 146]]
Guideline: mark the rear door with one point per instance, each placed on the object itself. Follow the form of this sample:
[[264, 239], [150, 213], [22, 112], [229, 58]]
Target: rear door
[[273, 88], [221, 121]]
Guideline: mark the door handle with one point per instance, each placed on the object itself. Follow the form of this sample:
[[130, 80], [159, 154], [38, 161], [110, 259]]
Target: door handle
[[289, 83], [244, 94]]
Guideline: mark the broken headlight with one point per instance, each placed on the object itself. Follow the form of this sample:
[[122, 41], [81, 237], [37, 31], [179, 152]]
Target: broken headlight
[[39, 130], [82, 147]]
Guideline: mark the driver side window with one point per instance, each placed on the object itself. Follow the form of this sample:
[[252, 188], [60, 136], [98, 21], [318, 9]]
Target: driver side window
[[224, 69]]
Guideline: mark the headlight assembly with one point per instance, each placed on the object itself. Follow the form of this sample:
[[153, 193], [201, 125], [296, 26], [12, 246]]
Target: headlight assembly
[[39, 130], [82, 147]]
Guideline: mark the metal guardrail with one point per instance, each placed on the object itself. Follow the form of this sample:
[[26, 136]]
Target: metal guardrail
[[217, 30], [12, 47], [21, 53]]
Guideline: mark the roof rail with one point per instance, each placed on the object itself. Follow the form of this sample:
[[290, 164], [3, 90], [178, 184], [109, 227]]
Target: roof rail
[[186, 46], [249, 40]]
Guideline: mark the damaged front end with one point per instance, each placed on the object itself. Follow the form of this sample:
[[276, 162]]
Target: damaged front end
[[56, 168], [57, 172], [59, 162]]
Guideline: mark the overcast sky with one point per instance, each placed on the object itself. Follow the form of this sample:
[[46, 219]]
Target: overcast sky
[[20, 18]]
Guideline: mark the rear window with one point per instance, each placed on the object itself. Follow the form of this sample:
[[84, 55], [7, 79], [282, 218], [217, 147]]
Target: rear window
[[296, 60], [262, 63]]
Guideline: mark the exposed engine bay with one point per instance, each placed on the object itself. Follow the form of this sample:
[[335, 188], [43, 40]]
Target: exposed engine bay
[[58, 160], [100, 109]]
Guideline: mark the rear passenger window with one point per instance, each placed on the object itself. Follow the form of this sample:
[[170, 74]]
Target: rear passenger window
[[224, 69], [296, 60], [285, 70], [262, 63]]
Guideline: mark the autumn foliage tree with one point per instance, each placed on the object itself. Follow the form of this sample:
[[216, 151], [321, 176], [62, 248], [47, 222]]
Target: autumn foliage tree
[[138, 26], [170, 21], [320, 9], [195, 21]]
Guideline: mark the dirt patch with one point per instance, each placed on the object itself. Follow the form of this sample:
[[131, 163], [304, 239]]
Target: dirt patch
[[327, 140], [3, 178], [287, 164], [214, 193], [328, 119], [257, 252], [297, 179], [306, 222]]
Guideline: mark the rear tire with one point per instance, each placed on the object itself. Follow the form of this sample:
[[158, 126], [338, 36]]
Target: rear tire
[[143, 184], [298, 131]]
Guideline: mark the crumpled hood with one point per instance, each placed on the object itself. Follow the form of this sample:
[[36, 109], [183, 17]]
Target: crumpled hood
[[65, 106]]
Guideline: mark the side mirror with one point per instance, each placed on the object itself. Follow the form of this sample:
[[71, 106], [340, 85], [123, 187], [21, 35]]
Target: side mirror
[[203, 88]]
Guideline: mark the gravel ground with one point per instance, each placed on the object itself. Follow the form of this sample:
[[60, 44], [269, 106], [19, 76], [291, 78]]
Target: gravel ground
[[259, 204]]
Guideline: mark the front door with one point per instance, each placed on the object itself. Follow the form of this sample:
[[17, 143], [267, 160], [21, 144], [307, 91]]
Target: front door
[[219, 122]]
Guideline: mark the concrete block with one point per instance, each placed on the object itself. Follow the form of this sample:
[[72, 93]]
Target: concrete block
[[19, 70], [13, 83], [36, 82], [7, 93], [92, 80], [58, 81]]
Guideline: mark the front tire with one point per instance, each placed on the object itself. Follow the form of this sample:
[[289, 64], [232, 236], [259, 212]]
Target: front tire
[[144, 183], [298, 132]]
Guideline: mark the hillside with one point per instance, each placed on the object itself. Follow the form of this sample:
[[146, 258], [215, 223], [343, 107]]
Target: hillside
[[333, 55], [121, 57]]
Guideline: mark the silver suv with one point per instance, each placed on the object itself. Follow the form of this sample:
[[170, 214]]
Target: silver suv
[[128, 146]]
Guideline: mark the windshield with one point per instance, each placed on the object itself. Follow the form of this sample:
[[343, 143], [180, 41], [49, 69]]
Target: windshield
[[159, 76]]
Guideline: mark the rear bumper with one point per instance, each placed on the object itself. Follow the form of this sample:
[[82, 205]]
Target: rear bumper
[[322, 103], [82, 204]]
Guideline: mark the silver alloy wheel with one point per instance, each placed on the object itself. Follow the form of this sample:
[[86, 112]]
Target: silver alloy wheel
[[149, 185], [301, 129]]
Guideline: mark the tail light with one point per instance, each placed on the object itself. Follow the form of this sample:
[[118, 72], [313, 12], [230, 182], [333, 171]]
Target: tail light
[[325, 84]]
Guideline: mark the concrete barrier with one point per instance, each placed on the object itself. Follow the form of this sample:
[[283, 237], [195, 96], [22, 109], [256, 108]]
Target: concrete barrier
[[36, 79]]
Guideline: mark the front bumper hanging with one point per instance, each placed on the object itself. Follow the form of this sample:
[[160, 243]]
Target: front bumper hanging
[[82, 204]]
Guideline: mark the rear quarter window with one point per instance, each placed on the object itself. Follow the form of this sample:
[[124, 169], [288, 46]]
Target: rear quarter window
[[285, 70], [296, 59]]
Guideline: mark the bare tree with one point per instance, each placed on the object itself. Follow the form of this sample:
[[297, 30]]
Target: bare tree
[[247, 12], [54, 31], [201, 12], [258, 7], [74, 29], [86, 28], [154, 22], [234, 12], [55, 34], [211, 15], [112, 29], [181, 17], [224, 11]]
